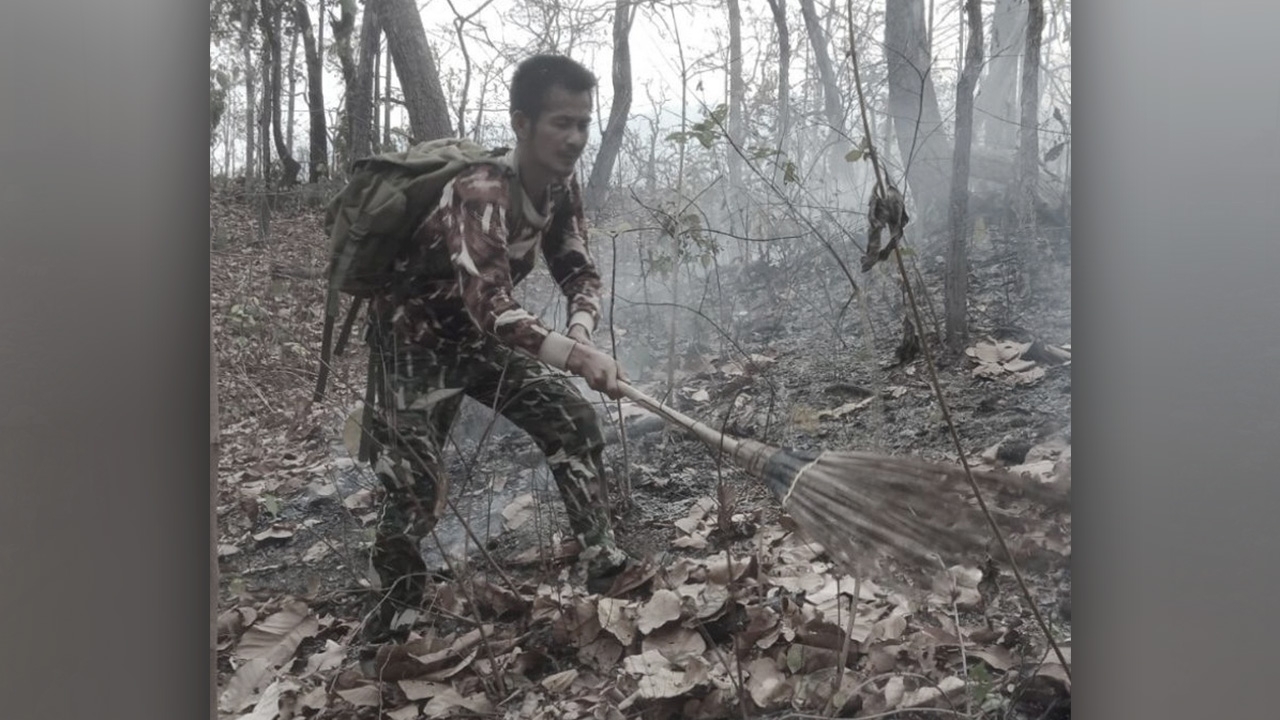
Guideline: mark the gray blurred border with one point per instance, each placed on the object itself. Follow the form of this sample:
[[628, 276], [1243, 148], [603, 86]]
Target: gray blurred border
[[104, 559], [1177, 349], [104, 587]]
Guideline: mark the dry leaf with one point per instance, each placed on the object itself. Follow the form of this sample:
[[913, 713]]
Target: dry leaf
[[328, 659], [660, 678], [843, 410], [677, 644], [359, 499], [617, 617], [700, 396], [362, 696], [661, 609], [422, 689], [519, 512], [894, 690], [767, 684], [444, 704], [929, 694], [278, 531], [561, 681], [277, 637], [408, 712], [268, 706], [315, 552], [602, 653]]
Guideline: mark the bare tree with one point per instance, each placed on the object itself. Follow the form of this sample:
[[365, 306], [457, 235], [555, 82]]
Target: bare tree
[[419, 79], [996, 108], [360, 93], [1028, 166], [293, 83], [737, 89], [611, 139], [957, 277], [779, 8], [319, 156], [270, 21], [247, 16], [913, 104], [832, 107]]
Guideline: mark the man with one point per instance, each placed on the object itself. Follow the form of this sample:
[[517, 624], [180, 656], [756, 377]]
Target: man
[[449, 327]]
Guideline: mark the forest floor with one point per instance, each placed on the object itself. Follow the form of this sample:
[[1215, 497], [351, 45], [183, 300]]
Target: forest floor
[[734, 615]]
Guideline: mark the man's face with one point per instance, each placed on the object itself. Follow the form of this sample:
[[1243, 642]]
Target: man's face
[[555, 142]]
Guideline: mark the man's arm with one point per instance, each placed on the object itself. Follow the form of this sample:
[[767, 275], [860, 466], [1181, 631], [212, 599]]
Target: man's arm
[[573, 268], [475, 220]]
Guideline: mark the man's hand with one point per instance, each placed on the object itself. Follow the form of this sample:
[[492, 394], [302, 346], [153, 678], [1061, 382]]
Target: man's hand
[[601, 372]]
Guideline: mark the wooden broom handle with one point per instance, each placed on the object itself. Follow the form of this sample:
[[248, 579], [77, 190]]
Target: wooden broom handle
[[704, 432]]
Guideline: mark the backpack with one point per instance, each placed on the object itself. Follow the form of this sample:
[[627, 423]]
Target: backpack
[[369, 221]]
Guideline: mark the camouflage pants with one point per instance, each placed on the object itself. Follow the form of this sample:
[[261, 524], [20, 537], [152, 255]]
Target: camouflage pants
[[422, 392]]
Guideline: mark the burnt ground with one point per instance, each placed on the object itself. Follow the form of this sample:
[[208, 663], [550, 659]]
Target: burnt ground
[[296, 512]]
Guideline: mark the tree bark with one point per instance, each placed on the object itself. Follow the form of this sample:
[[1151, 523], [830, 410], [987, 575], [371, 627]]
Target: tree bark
[[269, 21], [315, 94], [1028, 166], [386, 108], [957, 279], [247, 16], [832, 107], [737, 89], [419, 80], [293, 84], [342, 29], [611, 140], [995, 121], [779, 8], [913, 104], [360, 94]]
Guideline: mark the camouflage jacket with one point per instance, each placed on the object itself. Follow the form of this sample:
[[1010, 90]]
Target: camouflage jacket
[[456, 278]]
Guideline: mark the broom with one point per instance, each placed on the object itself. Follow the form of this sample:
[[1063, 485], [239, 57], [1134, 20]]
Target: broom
[[863, 507]]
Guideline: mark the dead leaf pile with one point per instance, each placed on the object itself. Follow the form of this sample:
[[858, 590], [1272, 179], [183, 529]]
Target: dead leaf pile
[[1015, 363]]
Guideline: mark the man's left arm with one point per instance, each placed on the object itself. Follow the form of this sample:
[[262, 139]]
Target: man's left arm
[[573, 268]]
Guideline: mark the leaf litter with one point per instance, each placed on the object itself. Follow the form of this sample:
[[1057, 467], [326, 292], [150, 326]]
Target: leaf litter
[[763, 624]]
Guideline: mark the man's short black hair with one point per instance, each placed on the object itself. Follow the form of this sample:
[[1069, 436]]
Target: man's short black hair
[[535, 76]]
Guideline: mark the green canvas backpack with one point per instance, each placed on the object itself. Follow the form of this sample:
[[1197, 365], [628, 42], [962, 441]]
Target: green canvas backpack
[[369, 221]]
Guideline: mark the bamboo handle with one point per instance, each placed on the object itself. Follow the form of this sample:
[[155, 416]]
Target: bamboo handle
[[751, 455]]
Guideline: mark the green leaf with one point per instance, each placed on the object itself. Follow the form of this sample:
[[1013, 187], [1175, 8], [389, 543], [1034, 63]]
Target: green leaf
[[1054, 152], [853, 155], [271, 504], [795, 658], [789, 175]]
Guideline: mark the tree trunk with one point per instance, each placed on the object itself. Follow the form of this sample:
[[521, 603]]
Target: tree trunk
[[611, 140], [995, 119], [737, 89], [342, 29], [293, 84], [831, 104], [1028, 166], [386, 108], [914, 107], [957, 282], [779, 8], [315, 94], [360, 96], [269, 21], [247, 16], [419, 80]]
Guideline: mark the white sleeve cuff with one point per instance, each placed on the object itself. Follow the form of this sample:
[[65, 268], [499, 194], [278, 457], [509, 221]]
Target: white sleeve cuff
[[555, 350], [585, 319]]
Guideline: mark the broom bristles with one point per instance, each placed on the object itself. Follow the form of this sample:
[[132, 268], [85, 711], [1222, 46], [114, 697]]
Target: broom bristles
[[865, 507]]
